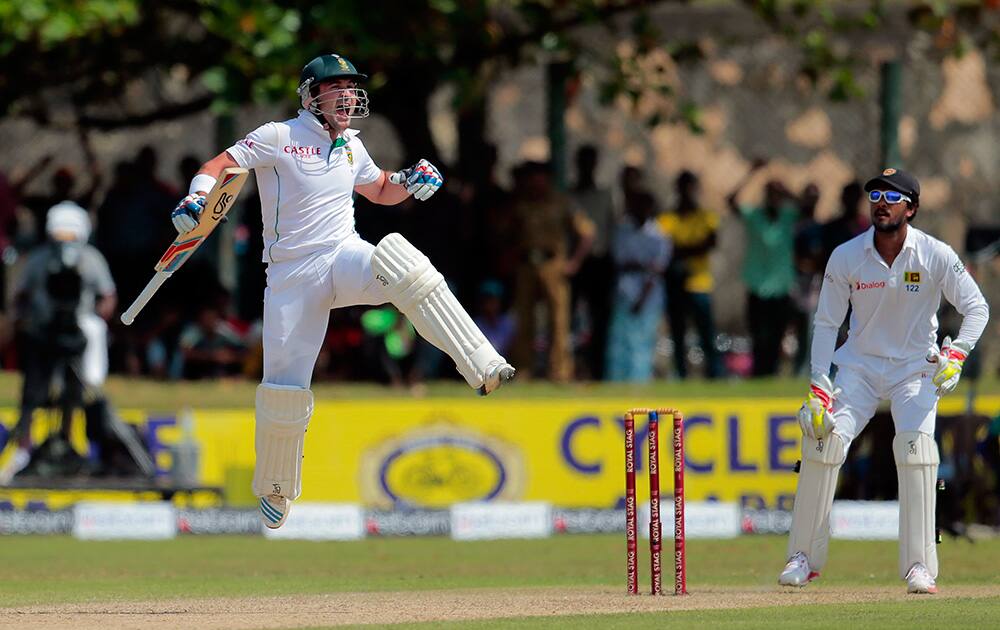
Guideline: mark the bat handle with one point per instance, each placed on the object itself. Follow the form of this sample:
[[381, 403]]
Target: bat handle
[[151, 288]]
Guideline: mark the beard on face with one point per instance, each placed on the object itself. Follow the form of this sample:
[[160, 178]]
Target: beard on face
[[889, 227]]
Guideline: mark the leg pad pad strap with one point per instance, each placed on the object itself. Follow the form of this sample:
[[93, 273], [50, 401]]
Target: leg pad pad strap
[[282, 416], [810, 534]]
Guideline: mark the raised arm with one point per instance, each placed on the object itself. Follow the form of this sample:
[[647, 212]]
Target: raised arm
[[382, 191], [93, 168], [185, 215], [421, 180], [731, 199], [213, 168], [19, 183], [257, 150]]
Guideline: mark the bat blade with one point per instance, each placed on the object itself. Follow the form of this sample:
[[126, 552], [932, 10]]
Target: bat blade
[[217, 205]]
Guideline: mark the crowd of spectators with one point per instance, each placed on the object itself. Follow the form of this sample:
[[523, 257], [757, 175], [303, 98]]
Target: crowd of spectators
[[581, 284]]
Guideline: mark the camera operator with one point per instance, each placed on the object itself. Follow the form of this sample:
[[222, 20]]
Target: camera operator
[[63, 298]]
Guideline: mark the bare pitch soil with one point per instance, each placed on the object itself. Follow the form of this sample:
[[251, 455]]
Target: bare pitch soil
[[444, 605]]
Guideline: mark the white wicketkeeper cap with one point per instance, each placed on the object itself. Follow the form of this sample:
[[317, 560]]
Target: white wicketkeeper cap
[[66, 221]]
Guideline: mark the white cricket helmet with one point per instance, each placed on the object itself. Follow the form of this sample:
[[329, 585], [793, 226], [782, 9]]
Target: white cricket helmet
[[66, 221]]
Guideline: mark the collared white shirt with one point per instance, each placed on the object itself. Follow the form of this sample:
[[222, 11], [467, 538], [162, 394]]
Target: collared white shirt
[[306, 183], [893, 309]]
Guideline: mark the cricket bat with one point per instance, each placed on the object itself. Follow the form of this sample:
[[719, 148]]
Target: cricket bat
[[217, 204]]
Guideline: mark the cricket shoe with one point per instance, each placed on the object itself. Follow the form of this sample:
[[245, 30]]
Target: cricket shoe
[[498, 373], [797, 571], [919, 580], [274, 510]]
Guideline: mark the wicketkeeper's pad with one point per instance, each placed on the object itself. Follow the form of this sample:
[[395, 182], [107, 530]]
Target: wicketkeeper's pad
[[821, 461], [917, 462]]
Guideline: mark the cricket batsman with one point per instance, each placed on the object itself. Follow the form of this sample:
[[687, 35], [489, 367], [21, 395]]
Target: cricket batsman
[[893, 277], [308, 169]]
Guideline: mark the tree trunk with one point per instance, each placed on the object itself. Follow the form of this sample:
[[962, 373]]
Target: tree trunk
[[406, 102], [472, 141]]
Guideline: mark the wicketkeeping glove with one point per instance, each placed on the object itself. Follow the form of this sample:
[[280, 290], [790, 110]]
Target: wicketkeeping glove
[[815, 416], [420, 180], [949, 364], [185, 215]]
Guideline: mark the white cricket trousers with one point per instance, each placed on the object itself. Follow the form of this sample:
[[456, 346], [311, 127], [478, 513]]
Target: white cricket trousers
[[297, 301], [905, 384], [94, 363]]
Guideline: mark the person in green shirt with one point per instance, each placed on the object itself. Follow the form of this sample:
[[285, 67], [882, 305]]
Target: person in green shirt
[[768, 268]]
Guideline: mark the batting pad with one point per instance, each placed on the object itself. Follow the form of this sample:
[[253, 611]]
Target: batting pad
[[283, 414], [419, 291], [810, 534], [917, 462]]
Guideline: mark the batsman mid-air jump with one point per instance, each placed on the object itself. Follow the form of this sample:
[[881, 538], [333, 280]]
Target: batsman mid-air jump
[[308, 169], [893, 277]]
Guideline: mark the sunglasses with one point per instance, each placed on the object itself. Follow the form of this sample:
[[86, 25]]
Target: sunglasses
[[891, 196]]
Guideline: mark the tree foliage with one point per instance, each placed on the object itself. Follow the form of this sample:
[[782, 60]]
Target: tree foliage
[[47, 25], [93, 54], [815, 25]]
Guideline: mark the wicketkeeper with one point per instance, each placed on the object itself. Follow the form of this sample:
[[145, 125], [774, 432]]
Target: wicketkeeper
[[893, 277], [308, 169]]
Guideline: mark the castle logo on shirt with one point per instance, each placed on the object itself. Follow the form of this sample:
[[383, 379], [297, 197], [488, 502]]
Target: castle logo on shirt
[[301, 151]]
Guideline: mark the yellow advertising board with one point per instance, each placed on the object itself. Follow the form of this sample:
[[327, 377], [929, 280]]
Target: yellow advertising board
[[433, 452]]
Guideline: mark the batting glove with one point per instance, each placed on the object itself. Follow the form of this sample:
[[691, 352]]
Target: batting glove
[[420, 180], [949, 364], [185, 215], [815, 416]]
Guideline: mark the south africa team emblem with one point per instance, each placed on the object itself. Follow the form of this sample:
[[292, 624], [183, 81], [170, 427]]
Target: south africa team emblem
[[350, 156]]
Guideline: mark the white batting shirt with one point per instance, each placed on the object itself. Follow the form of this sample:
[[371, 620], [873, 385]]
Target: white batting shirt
[[893, 309], [306, 183]]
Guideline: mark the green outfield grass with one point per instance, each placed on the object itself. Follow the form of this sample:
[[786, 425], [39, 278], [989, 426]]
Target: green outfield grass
[[166, 396], [54, 570]]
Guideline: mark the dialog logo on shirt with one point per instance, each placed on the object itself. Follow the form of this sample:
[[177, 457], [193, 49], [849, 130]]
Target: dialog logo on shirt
[[864, 286]]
